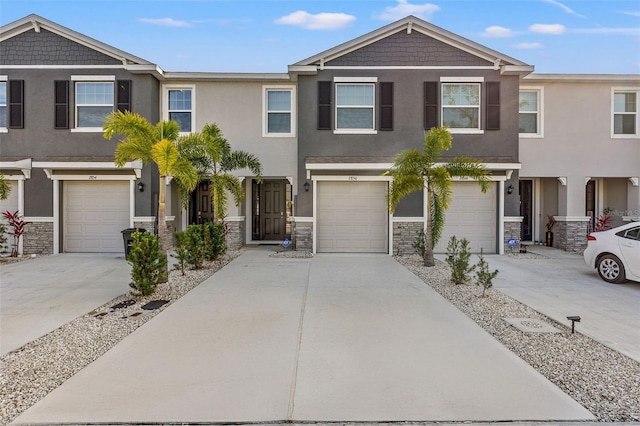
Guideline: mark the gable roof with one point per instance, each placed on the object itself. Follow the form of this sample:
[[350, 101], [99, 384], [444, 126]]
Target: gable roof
[[36, 23], [505, 63]]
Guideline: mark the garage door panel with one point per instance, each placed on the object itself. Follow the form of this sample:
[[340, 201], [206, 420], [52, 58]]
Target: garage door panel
[[94, 214], [471, 215], [352, 217]]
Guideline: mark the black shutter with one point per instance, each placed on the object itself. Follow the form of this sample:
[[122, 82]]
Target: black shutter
[[62, 104], [430, 105], [124, 95], [493, 105], [386, 106], [324, 105], [16, 104]]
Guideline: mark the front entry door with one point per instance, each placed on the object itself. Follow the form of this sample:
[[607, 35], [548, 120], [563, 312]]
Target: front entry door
[[273, 210], [204, 210], [526, 202]]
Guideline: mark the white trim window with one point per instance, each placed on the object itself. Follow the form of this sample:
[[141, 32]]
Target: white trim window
[[624, 117], [3, 104], [94, 101], [530, 112], [355, 107], [461, 107], [180, 108], [278, 111]]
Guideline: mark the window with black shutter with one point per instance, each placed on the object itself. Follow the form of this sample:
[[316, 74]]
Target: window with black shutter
[[324, 105], [493, 105], [61, 89], [16, 104], [386, 106], [124, 95], [430, 105]]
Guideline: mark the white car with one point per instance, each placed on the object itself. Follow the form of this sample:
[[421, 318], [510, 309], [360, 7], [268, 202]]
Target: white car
[[615, 253]]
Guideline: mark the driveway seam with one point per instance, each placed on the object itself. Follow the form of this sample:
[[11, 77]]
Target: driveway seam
[[296, 360]]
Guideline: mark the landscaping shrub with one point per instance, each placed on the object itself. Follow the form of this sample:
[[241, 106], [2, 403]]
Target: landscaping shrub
[[458, 256], [214, 240], [483, 275], [181, 253], [148, 263], [419, 244], [3, 239]]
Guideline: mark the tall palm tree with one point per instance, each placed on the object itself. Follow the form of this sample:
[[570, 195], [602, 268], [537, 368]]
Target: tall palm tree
[[214, 160], [152, 144], [413, 170]]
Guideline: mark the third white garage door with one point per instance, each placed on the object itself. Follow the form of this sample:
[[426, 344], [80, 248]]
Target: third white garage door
[[352, 217], [94, 215], [471, 215]]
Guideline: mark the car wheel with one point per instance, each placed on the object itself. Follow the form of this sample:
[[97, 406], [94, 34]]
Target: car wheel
[[611, 269]]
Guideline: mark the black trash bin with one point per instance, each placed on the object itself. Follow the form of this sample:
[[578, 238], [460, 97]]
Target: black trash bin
[[128, 239]]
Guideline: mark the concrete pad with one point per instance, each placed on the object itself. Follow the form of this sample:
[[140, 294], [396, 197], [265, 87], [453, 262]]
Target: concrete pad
[[329, 338], [39, 295], [379, 345]]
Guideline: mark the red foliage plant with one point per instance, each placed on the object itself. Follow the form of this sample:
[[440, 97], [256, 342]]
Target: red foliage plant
[[17, 224]]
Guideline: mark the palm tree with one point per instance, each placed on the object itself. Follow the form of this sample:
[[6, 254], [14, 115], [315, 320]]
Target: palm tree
[[413, 170], [148, 143], [214, 160], [5, 189]]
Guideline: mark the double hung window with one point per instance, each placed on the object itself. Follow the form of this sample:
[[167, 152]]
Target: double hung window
[[625, 113], [94, 101], [530, 112], [180, 108], [461, 106], [279, 111], [355, 106]]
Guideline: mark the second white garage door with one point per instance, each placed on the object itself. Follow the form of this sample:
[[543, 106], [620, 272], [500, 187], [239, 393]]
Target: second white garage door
[[352, 217], [471, 215], [94, 214]]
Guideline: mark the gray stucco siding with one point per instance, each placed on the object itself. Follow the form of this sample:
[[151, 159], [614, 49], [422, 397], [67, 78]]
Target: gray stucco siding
[[47, 48]]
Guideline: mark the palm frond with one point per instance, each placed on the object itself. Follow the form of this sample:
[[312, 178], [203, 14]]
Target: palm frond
[[438, 209], [185, 174], [5, 189], [131, 149], [471, 168], [236, 160], [436, 141], [408, 162], [401, 187], [165, 155], [169, 130], [219, 196]]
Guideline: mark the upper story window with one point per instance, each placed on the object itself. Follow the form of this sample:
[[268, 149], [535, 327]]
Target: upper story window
[[3, 105], [461, 106], [625, 112], [530, 112], [279, 111], [355, 106], [181, 108], [94, 101]]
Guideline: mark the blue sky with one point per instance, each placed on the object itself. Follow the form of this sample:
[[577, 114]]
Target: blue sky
[[556, 36]]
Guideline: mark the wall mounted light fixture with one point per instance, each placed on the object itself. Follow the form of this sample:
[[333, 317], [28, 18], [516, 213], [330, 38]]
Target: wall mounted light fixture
[[510, 189], [140, 186], [306, 186]]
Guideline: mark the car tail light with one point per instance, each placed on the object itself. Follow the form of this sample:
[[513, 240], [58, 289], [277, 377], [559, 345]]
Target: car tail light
[[591, 238]]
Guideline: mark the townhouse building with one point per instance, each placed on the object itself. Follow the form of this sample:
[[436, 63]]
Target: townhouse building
[[326, 131]]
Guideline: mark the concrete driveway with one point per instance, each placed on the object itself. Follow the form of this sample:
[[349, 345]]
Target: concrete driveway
[[333, 338], [39, 295], [561, 284]]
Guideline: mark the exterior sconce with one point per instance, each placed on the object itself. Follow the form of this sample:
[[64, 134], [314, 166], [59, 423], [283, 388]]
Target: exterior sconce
[[306, 186], [140, 186], [510, 189]]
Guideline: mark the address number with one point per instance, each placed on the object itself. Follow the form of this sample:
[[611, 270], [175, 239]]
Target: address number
[[353, 177], [93, 177]]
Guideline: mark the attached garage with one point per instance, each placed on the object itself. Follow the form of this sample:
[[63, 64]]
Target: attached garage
[[471, 215], [94, 213], [352, 217]]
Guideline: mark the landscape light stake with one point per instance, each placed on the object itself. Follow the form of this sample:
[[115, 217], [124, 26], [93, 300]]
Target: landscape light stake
[[574, 319]]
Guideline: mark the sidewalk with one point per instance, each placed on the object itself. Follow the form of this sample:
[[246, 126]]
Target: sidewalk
[[333, 338]]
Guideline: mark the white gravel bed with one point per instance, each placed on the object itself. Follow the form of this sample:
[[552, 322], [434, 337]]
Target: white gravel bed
[[29, 373], [604, 381]]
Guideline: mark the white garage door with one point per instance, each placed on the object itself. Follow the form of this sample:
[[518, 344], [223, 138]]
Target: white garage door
[[10, 204], [471, 215], [352, 217], [94, 214]]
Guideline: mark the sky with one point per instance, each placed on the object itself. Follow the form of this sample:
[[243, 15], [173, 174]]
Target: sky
[[265, 36]]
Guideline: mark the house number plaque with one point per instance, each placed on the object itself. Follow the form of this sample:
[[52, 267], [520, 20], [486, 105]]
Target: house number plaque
[[354, 178]]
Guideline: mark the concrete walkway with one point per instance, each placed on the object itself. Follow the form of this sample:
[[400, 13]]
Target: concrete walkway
[[344, 338], [562, 284], [39, 295]]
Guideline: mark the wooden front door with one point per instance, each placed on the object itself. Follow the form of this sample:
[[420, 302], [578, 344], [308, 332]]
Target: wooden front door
[[273, 210], [526, 210], [203, 210]]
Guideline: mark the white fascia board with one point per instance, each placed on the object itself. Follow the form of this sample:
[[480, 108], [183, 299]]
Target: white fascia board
[[23, 165], [80, 165], [303, 69], [348, 166], [631, 78], [213, 76], [152, 69], [516, 69]]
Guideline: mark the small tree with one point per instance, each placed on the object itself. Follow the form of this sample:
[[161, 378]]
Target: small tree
[[181, 253], [17, 224], [419, 243], [483, 275], [458, 256], [148, 263]]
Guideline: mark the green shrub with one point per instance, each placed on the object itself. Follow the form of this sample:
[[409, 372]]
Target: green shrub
[[195, 246], [181, 253], [214, 240], [419, 244], [458, 256], [148, 263], [483, 275], [3, 239]]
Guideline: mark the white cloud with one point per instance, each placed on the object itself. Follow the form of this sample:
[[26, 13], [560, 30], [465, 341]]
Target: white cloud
[[632, 13], [533, 45], [497, 32], [563, 7], [320, 21], [554, 29], [165, 22], [604, 30], [403, 9]]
